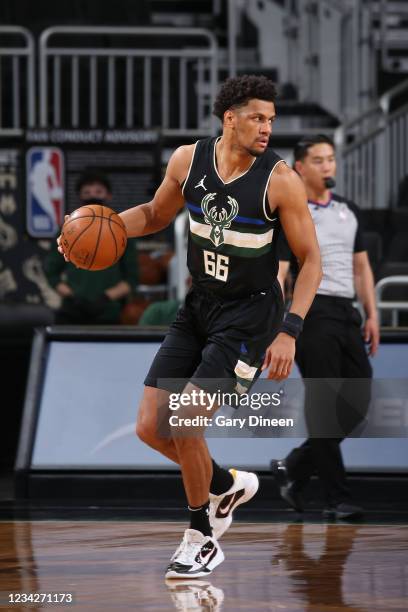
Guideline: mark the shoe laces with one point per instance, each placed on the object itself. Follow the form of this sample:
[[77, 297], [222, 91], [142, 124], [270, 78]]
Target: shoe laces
[[187, 550]]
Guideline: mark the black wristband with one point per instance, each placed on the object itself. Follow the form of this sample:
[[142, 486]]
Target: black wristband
[[292, 325]]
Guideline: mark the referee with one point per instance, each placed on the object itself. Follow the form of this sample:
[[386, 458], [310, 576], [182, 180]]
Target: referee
[[332, 344]]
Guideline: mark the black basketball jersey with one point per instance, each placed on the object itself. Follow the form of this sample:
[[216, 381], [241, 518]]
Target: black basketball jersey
[[232, 234]]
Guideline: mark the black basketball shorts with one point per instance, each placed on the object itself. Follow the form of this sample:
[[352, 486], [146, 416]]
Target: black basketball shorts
[[214, 340]]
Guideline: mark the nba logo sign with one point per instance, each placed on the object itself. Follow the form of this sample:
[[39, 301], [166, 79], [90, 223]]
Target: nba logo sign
[[45, 191]]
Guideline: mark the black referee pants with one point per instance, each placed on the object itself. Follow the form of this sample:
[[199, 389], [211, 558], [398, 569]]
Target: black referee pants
[[330, 346]]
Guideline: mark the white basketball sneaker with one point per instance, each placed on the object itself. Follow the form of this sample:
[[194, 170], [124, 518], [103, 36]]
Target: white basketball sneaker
[[222, 506], [196, 556]]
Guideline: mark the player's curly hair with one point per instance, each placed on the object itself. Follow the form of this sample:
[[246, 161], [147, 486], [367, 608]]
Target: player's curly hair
[[237, 91]]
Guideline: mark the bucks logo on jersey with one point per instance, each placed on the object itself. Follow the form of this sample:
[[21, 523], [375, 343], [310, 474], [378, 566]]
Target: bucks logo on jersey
[[218, 219]]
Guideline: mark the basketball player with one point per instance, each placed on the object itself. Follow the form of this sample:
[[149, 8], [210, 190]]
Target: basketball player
[[230, 327], [332, 344]]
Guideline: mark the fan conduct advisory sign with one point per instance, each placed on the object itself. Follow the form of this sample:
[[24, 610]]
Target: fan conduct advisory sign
[[130, 158]]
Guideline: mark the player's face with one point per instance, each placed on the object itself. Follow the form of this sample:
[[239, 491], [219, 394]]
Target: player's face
[[94, 191], [252, 126], [319, 163]]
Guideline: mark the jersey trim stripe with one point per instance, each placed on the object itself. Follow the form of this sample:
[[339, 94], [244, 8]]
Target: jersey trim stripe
[[238, 218], [239, 227], [322, 204], [229, 249], [191, 165], [231, 237], [266, 189]]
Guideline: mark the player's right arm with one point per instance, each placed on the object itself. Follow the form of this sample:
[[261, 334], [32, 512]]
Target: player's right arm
[[155, 215], [167, 201]]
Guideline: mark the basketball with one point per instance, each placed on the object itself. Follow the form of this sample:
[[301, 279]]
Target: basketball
[[93, 237]]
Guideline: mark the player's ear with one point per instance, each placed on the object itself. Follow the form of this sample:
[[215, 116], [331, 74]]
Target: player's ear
[[228, 118], [297, 166]]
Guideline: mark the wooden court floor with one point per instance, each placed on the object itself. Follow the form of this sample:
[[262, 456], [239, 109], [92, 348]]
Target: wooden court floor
[[119, 565]]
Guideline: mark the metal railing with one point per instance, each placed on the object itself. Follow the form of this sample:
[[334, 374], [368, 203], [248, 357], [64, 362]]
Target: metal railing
[[390, 305], [131, 77], [392, 35], [17, 80], [374, 151], [324, 48]]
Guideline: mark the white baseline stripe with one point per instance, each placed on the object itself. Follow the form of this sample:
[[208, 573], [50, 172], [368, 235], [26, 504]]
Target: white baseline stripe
[[238, 239]]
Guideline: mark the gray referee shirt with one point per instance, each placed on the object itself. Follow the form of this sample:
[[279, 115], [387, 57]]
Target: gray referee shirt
[[339, 236]]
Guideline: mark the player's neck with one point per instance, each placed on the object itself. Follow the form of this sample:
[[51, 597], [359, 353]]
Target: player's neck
[[230, 160], [317, 195]]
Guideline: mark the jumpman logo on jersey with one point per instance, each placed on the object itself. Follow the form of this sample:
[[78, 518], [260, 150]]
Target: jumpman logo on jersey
[[201, 183]]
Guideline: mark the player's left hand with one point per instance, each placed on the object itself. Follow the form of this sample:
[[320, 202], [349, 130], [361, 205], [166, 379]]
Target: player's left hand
[[372, 335], [279, 357]]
